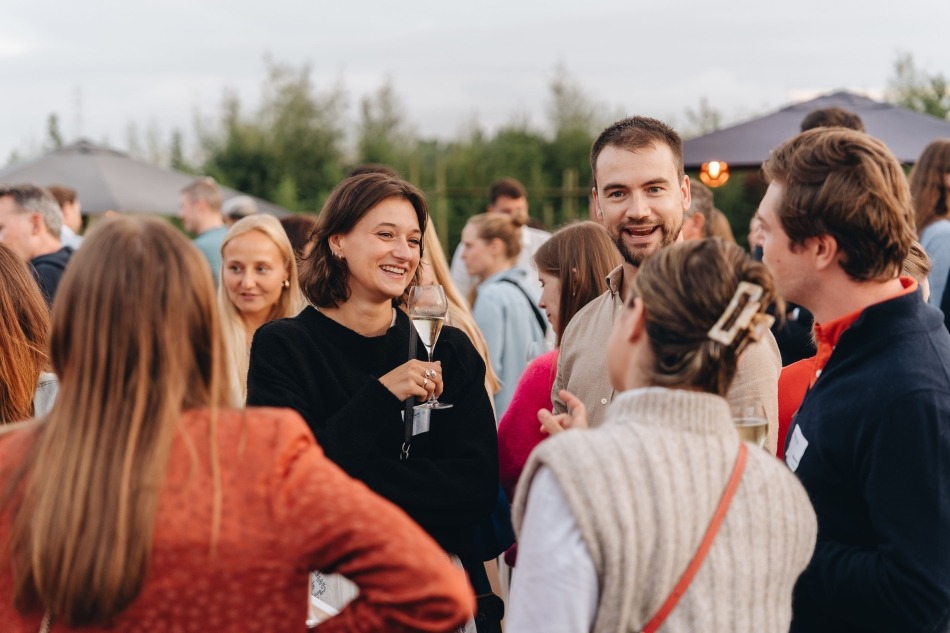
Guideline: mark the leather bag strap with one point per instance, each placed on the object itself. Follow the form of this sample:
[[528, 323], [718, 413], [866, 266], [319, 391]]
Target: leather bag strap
[[700, 555]]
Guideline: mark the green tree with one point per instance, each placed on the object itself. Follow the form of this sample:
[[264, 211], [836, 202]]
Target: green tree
[[918, 90], [702, 120], [54, 139], [383, 135]]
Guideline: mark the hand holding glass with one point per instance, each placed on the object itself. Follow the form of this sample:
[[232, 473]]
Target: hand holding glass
[[427, 309]]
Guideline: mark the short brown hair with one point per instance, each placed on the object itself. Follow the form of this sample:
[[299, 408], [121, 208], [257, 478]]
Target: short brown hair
[[508, 187], [63, 195], [492, 226], [204, 189], [580, 255], [832, 117], [702, 203], [678, 318], [848, 185], [324, 279], [928, 186], [634, 133]]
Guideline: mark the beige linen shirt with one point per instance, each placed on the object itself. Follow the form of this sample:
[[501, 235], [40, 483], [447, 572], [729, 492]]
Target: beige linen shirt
[[582, 363]]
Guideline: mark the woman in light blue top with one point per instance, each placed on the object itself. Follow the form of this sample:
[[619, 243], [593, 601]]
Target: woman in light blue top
[[505, 307], [929, 187]]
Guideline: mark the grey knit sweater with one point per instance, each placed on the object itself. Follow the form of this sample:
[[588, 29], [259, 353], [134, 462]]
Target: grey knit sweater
[[643, 488]]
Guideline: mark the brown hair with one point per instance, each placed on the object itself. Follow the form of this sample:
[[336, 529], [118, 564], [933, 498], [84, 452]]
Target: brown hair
[[133, 345], [63, 195], [917, 264], [634, 133], [848, 185], [491, 226], [581, 255], [701, 201], [508, 187], [299, 228], [24, 332], [832, 117], [679, 316], [928, 186], [204, 189], [719, 226], [324, 279]]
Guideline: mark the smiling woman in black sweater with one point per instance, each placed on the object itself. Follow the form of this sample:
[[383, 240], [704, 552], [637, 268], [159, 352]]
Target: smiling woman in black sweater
[[343, 365]]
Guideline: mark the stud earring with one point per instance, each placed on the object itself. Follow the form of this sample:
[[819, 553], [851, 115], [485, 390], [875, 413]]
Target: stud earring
[[286, 283]]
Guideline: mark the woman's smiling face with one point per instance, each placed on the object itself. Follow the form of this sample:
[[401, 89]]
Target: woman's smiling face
[[382, 251]]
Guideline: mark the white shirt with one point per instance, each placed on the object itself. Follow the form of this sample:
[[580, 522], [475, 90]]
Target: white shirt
[[554, 586]]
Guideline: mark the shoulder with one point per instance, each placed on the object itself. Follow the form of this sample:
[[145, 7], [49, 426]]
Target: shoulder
[[583, 317], [289, 328], [267, 432], [46, 389]]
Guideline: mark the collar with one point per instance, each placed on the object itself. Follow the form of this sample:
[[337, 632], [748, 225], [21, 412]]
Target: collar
[[673, 409], [828, 334], [615, 280]]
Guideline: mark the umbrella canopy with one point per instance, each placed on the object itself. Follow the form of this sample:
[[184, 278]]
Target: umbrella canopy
[[748, 144], [108, 180]]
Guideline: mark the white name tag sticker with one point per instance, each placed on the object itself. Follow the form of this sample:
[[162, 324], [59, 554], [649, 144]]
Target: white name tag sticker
[[420, 420], [796, 448]]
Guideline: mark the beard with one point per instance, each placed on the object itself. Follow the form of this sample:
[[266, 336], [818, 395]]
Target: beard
[[635, 256]]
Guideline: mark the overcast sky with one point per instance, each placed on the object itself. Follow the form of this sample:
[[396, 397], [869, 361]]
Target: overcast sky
[[103, 64]]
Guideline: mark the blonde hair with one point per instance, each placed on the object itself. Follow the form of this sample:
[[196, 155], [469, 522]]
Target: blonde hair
[[24, 332], [686, 288], [204, 189], [460, 315], [290, 302], [491, 226], [135, 341]]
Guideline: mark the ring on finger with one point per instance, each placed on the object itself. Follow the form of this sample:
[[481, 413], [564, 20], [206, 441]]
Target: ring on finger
[[430, 373], [425, 382]]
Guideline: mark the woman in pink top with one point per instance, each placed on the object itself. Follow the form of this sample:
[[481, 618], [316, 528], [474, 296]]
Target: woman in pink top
[[572, 266], [140, 504]]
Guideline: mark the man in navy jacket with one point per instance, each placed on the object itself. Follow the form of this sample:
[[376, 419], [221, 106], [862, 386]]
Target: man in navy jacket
[[871, 440]]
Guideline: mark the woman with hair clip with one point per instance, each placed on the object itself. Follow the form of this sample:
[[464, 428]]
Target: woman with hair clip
[[344, 364], [26, 388], [572, 266], [504, 307], [662, 515], [258, 284], [141, 504], [930, 190]]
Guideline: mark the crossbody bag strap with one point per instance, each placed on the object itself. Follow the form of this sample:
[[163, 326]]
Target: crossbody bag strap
[[542, 323], [700, 555], [409, 412]]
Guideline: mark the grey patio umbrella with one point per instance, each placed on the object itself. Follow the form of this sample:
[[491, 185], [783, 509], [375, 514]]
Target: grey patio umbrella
[[904, 131], [108, 180]]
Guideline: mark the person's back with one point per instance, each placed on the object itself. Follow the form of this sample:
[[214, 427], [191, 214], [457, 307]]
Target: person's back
[[139, 503], [276, 525]]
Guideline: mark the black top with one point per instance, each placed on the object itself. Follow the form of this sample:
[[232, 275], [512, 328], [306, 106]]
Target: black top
[[48, 269], [877, 470], [329, 374]]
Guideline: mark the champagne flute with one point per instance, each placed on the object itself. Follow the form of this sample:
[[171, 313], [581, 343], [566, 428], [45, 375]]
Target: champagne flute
[[751, 421], [427, 309]]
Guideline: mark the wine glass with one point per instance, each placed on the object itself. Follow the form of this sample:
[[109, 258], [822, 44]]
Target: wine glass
[[751, 421], [427, 309]]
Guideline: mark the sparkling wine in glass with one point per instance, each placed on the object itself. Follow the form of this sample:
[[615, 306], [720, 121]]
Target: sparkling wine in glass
[[751, 421], [427, 309]]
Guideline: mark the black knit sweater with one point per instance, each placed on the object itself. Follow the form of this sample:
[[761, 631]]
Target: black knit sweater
[[329, 374]]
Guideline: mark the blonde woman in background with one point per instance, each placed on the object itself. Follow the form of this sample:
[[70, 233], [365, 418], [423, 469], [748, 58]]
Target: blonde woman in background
[[434, 269], [258, 284]]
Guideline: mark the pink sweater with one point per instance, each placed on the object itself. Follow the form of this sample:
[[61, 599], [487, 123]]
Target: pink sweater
[[519, 430]]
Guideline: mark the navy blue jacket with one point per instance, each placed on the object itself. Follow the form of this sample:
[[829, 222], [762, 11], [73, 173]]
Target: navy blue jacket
[[877, 469]]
